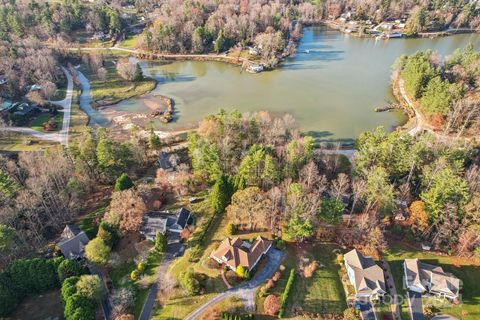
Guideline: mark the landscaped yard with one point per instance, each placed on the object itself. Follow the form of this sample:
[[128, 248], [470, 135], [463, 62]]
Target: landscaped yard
[[467, 270], [322, 293]]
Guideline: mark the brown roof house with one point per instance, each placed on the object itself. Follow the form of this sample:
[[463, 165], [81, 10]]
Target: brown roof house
[[234, 252], [422, 277], [72, 242], [365, 275]]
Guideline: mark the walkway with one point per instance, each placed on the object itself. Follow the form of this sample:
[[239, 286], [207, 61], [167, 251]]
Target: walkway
[[66, 104], [247, 290]]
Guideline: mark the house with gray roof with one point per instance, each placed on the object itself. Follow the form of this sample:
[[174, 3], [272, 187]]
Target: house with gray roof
[[159, 221], [365, 275], [426, 278], [72, 242]]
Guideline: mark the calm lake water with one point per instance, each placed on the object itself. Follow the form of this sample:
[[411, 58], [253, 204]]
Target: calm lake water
[[331, 91]]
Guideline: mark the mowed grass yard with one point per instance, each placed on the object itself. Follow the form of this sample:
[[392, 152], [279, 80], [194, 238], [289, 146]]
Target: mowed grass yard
[[467, 270], [322, 293], [37, 122]]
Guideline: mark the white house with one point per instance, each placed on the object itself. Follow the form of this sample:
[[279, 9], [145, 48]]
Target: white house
[[426, 278], [365, 275]]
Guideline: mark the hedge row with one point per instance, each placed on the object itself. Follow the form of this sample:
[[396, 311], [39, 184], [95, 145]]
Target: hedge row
[[286, 292], [229, 316], [33, 276]]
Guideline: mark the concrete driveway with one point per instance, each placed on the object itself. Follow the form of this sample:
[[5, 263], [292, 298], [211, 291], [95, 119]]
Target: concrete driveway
[[415, 305], [366, 309], [247, 290]]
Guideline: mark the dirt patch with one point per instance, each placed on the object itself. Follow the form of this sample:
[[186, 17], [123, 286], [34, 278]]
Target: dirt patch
[[42, 306]]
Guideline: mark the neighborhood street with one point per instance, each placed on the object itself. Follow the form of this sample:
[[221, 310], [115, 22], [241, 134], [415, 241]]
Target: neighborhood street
[[247, 290], [62, 135]]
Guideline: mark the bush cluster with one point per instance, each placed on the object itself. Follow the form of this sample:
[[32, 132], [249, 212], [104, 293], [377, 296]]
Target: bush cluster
[[33, 276]]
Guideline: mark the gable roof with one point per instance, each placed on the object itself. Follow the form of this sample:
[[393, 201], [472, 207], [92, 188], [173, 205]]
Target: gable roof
[[163, 161], [153, 222], [236, 252], [72, 241], [422, 274], [369, 277], [182, 217]]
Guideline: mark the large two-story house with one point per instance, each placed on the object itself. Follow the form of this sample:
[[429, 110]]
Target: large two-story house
[[365, 275], [234, 252], [426, 278]]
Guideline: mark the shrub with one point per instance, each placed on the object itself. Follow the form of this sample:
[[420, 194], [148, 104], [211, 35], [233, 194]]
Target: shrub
[[310, 269], [97, 251], [123, 183], [190, 283], [231, 229], [271, 305], [8, 296], [286, 293], [277, 275], [108, 233], [69, 268], [79, 307], [241, 272], [69, 287], [90, 286], [161, 242], [141, 267], [134, 275]]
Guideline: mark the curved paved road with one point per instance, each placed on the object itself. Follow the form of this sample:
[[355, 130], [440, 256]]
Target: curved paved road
[[62, 135], [247, 290]]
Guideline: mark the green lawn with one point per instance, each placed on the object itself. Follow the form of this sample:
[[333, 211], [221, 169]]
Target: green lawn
[[36, 123], [466, 270], [130, 42], [323, 292], [114, 88]]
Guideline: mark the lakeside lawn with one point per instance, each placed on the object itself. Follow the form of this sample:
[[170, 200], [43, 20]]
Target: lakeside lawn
[[467, 270], [114, 88]]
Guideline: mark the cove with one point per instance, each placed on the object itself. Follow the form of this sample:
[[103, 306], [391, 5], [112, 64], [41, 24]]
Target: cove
[[331, 91]]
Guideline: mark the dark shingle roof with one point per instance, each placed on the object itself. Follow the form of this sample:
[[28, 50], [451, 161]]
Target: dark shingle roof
[[182, 217]]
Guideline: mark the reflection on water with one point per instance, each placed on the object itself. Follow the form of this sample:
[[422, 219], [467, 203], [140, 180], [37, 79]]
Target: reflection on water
[[331, 90]]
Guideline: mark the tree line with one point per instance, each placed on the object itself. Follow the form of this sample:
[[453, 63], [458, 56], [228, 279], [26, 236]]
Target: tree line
[[42, 191], [446, 89], [268, 177]]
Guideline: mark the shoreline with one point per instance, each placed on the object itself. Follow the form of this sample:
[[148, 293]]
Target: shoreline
[[239, 61]]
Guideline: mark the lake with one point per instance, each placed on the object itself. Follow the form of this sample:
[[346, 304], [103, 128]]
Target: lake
[[331, 91]]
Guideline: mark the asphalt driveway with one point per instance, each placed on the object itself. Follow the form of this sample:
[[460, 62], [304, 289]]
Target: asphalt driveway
[[247, 290], [415, 305], [366, 309]]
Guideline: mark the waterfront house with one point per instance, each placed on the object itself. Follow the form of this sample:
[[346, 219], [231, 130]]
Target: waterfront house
[[72, 242], [426, 278], [365, 275], [234, 252], [158, 221]]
